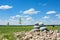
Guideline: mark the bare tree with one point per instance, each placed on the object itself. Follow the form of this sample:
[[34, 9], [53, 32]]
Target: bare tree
[[7, 23], [20, 21]]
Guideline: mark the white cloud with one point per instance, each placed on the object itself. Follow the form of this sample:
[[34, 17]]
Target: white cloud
[[58, 15], [18, 16], [5, 7], [12, 17], [26, 20], [13, 22], [3, 22], [31, 11], [29, 18], [55, 22], [51, 12], [45, 17], [50, 21]]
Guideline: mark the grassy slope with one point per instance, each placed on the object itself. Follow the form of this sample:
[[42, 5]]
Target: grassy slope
[[8, 30], [53, 28]]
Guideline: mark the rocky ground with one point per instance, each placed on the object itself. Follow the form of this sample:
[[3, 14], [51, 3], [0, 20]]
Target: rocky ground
[[38, 35]]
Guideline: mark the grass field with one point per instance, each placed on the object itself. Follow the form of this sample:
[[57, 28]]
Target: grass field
[[9, 30]]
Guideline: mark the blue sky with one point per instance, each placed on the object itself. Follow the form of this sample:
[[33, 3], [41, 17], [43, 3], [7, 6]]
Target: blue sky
[[30, 11]]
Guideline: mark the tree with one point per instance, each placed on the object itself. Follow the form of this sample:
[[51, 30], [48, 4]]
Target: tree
[[20, 21], [7, 23]]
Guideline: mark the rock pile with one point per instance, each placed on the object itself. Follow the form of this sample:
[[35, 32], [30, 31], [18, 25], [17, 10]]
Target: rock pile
[[41, 35]]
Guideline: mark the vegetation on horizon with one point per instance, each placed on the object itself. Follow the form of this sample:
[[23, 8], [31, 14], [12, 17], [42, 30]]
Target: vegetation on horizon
[[8, 31]]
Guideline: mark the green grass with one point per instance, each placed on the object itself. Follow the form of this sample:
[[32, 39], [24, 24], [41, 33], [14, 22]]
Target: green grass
[[9, 30], [53, 28]]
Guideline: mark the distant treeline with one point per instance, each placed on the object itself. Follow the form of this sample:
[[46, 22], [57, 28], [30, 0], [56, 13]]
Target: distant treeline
[[52, 25], [27, 25], [16, 25]]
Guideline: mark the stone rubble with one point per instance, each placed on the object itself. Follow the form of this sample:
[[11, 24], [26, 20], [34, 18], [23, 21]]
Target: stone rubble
[[38, 35]]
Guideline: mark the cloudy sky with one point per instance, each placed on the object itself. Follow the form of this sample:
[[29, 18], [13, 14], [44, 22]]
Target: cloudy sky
[[30, 11]]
